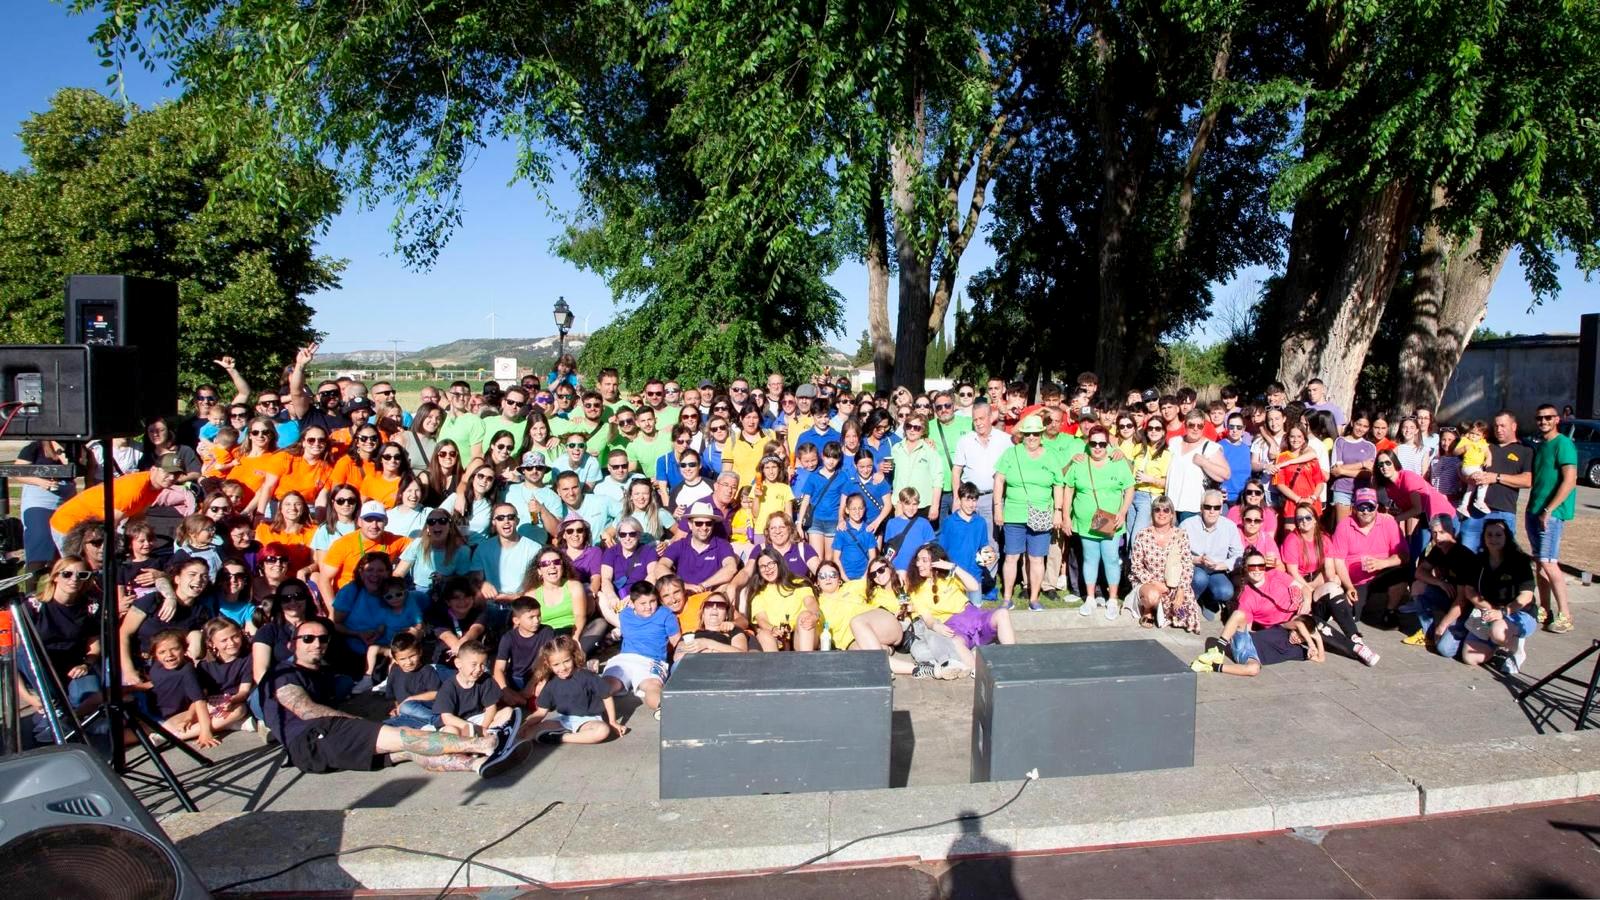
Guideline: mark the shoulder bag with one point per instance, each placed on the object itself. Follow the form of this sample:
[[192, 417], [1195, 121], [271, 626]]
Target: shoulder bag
[[1038, 519], [1104, 522]]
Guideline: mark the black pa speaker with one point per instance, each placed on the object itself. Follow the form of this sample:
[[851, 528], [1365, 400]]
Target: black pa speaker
[[70, 828], [1589, 366], [71, 392], [125, 311]]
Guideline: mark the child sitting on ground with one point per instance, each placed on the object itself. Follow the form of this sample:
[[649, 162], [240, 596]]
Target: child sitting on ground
[[400, 614], [1473, 448], [411, 685], [180, 703], [518, 654], [471, 700], [225, 676], [219, 457], [573, 700], [649, 633]]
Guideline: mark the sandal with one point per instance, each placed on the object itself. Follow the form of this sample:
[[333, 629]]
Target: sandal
[[1147, 622]]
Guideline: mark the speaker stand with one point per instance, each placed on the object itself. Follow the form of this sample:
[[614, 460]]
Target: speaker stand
[[1588, 697]]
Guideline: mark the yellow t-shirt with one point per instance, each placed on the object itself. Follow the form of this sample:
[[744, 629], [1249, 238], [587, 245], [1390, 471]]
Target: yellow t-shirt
[[952, 598], [1474, 452], [744, 456], [779, 607], [839, 608], [776, 497], [1150, 471]]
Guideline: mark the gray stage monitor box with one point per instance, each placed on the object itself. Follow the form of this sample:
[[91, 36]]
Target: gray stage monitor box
[[775, 723], [1086, 708]]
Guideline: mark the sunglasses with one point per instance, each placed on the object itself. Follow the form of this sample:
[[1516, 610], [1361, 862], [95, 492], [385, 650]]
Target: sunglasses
[[437, 523], [617, 467], [267, 403], [632, 534], [219, 509], [294, 598], [506, 517], [391, 457], [579, 530], [366, 439], [237, 576], [575, 445], [74, 574], [912, 426], [1547, 418], [688, 465], [344, 501], [314, 441], [590, 404], [1211, 506], [205, 398], [238, 415], [1099, 445], [652, 393], [486, 476], [513, 403], [1252, 519], [1366, 507], [550, 564], [504, 448], [828, 576], [700, 523], [274, 559], [1305, 518], [681, 442], [1194, 425], [1255, 567], [1124, 424], [449, 454], [314, 638], [1255, 492], [1161, 510]]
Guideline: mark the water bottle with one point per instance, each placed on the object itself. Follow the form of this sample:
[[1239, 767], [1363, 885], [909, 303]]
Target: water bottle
[[827, 637]]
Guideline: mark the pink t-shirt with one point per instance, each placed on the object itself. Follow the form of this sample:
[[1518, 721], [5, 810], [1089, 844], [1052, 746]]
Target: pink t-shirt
[[1263, 544], [1383, 539], [1408, 485], [1299, 556], [1269, 518], [1273, 602]]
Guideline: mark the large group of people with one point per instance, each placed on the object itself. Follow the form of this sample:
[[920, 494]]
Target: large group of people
[[503, 561]]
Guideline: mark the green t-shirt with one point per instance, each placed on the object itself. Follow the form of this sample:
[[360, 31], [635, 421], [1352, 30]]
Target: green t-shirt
[[1028, 482], [466, 430], [519, 431], [1110, 481], [644, 453], [1548, 459], [944, 437], [1065, 447]]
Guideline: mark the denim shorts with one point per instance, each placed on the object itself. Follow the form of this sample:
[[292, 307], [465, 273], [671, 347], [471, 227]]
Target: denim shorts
[[825, 527], [1341, 498], [1242, 647], [1020, 540], [573, 723], [1544, 543]]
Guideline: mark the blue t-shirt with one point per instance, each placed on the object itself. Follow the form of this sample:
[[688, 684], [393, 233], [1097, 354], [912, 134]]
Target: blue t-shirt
[[962, 539], [825, 495], [819, 439], [875, 491], [1238, 457], [851, 546], [667, 470], [918, 532], [647, 637], [882, 451]]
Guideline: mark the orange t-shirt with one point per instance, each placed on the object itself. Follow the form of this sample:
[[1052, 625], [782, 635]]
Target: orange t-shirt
[[350, 470], [297, 544], [222, 458], [382, 489], [309, 478], [252, 471], [131, 494], [689, 616], [345, 553]]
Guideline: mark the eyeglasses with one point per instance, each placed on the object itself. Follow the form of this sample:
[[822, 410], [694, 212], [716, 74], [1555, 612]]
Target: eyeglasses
[[314, 638], [344, 501], [391, 457], [506, 517], [437, 523], [274, 559], [74, 574], [1211, 506]]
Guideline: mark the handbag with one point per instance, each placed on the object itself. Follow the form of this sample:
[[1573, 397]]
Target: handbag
[[1038, 519], [1173, 576], [1104, 521]]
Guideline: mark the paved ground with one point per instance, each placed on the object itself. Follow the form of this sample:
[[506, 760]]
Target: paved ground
[[1411, 699], [1580, 546]]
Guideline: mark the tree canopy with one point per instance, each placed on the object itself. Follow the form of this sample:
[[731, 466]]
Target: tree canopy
[[114, 190]]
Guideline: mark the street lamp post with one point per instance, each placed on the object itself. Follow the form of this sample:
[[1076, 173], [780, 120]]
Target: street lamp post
[[564, 317]]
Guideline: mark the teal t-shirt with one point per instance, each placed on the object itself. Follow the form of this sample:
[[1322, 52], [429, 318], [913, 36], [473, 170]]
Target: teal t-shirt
[[1547, 462]]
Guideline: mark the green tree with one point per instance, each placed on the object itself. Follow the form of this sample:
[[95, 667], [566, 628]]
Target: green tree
[[142, 192]]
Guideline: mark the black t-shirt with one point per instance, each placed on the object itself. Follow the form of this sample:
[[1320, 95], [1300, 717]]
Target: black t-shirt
[[522, 653], [1500, 586], [465, 702], [316, 683], [440, 620], [192, 617], [404, 685], [65, 632], [581, 695], [175, 689], [1274, 646], [316, 418], [280, 637], [1512, 459], [128, 569], [187, 457], [709, 634], [1453, 563], [223, 678]]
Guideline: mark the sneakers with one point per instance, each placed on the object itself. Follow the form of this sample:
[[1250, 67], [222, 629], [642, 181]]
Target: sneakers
[[1481, 506], [1113, 609], [511, 754], [1161, 616], [1061, 582], [249, 724], [1543, 615], [1420, 639], [1212, 657], [1561, 624], [1200, 665], [1087, 609], [1503, 662], [512, 725], [949, 672], [364, 686], [550, 737], [922, 670], [1365, 654], [1035, 605]]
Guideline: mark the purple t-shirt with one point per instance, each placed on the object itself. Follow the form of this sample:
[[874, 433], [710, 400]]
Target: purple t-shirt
[[797, 557], [695, 566], [1347, 451], [625, 571]]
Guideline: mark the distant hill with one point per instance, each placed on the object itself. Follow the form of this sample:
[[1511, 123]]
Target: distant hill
[[467, 353]]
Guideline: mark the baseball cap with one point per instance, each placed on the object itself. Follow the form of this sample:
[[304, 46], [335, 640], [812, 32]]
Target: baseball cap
[[1366, 495], [170, 463], [534, 459], [1030, 425], [702, 510], [1150, 395], [806, 390], [359, 403], [373, 509], [705, 383]]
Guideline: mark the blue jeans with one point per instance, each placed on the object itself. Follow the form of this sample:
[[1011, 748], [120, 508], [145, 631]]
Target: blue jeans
[[1138, 516], [414, 714], [1428, 607], [1449, 646], [1098, 553], [79, 690], [1470, 528], [1217, 585]]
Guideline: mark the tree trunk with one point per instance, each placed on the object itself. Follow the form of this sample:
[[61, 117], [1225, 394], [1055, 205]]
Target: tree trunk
[[877, 259], [1335, 318], [911, 331], [1451, 296]]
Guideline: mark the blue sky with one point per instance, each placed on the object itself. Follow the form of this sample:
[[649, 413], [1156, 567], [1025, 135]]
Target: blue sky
[[499, 261]]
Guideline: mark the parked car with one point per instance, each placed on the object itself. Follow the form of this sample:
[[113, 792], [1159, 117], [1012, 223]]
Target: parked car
[[1586, 434]]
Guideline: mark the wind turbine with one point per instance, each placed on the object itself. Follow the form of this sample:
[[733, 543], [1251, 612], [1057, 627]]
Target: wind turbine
[[491, 317]]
